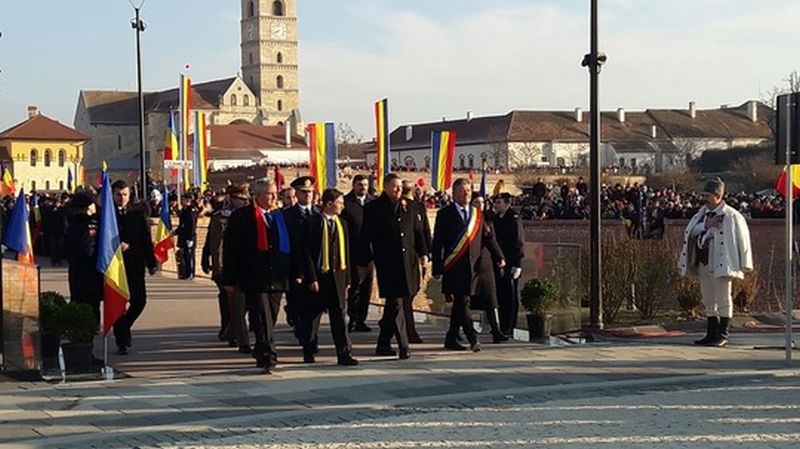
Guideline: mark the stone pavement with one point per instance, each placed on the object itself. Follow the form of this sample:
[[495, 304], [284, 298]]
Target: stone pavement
[[186, 389]]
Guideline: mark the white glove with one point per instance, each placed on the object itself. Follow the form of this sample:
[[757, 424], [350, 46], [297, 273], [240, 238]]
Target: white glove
[[516, 272], [189, 243]]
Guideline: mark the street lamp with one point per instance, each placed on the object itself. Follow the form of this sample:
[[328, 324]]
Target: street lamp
[[594, 61], [138, 25]]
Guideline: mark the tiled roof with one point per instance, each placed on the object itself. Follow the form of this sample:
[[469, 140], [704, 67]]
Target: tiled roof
[[720, 123], [40, 127], [239, 137], [476, 130]]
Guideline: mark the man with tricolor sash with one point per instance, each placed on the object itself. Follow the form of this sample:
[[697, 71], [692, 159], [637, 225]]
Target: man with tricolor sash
[[457, 240]]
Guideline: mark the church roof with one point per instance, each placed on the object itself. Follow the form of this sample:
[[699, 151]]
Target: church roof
[[239, 137], [40, 127], [121, 107]]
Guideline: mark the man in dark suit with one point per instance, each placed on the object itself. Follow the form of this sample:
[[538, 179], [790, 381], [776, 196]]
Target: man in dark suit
[[457, 241], [187, 236], [509, 234], [256, 253], [137, 252], [360, 293], [394, 241], [421, 221], [297, 219], [326, 261]]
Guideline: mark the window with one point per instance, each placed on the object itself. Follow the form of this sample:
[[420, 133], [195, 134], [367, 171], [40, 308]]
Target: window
[[251, 59], [280, 105], [62, 157], [561, 162], [251, 9], [246, 100], [633, 162], [461, 163], [47, 185], [280, 58], [234, 102], [279, 82], [48, 157], [33, 185], [622, 162], [409, 161], [119, 142], [277, 8], [34, 157], [471, 161], [427, 162], [61, 185]]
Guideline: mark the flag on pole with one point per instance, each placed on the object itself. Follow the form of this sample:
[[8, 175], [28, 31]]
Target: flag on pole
[[109, 260], [484, 170], [163, 234], [184, 123], [36, 218], [382, 156], [200, 155], [9, 186], [780, 185], [443, 148], [18, 234], [171, 148], [322, 146], [70, 181]]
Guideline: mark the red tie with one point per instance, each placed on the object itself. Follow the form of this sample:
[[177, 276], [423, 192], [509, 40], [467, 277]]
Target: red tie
[[261, 230]]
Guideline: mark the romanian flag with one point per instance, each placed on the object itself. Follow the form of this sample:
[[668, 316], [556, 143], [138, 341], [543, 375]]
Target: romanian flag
[[171, 148], [18, 233], [443, 148], [780, 185], [110, 262], [8, 186], [184, 123], [322, 146], [382, 156], [163, 234], [200, 155]]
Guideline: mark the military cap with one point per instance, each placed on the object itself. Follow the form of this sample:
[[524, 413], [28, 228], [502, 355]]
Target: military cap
[[304, 183]]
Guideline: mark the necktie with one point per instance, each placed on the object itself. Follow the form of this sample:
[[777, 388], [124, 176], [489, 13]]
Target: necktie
[[464, 215]]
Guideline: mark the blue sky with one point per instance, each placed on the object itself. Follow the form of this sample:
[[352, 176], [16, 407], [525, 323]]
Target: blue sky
[[433, 59]]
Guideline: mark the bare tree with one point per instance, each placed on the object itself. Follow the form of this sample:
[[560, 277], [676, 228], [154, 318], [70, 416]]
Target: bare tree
[[792, 85], [350, 142]]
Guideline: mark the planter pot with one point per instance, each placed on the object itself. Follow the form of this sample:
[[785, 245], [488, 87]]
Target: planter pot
[[538, 327], [50, 343], [77, 357]]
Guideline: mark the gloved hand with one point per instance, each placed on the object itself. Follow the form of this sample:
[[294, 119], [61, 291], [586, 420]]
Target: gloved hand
[[516, 272], [190, 243]]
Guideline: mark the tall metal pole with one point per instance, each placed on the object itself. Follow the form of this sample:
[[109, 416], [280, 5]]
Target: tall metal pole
[[789, 246], [594, 61], [138, 25]]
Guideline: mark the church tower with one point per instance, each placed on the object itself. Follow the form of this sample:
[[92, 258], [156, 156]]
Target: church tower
[[269, 58]]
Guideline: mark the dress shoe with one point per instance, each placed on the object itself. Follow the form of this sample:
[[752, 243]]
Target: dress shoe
[[232, 343], [385, 352], [362, 327], [497, 337], [454, 346], [308, 358], [351, 326], [245, 349], [347, 361], [415, 339], [122, 350], [404, 354], [475, 347], [221, 335]]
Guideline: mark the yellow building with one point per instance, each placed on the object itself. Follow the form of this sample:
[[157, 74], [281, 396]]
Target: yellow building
[[42, 153]]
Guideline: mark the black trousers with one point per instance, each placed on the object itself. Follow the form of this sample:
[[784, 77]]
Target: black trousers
[[358, 298], [461, 317], [309, 318], [408, 310], [224, 307], [260, 311], [187, 262], [294, 300], [275, 305], [507, 301], [138, 292], [393, 324]]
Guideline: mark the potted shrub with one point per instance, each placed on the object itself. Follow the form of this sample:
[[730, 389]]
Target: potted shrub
[[76, 322], [538, 298], [50, 304]]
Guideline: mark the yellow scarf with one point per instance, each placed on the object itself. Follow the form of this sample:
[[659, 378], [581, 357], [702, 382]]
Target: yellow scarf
[[326, 257]]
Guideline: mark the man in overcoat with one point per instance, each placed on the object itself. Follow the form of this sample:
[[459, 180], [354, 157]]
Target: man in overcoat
[[360, 293], [394, 241], [509, 234]]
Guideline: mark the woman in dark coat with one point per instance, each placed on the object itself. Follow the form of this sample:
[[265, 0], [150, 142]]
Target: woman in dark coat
[[486, 294], [85, 282]]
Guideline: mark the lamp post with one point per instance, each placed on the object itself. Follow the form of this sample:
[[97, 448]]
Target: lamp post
[[594, 61], [138, 25]]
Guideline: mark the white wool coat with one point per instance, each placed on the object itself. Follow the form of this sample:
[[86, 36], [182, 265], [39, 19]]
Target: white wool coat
[[729, 252]]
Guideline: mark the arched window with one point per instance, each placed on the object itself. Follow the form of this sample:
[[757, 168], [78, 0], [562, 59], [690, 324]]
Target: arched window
[[277, 8], [61, 185], [48, 157], [471, 159], [409, 161], [461, 163], [279, 81], [47, 185], [251, 9], [280, 58], [246, 100], [427, 162], [62, 157], [280, 105], [33, 185], [119, 142], [251, 58], [34, 157], [233, 100]]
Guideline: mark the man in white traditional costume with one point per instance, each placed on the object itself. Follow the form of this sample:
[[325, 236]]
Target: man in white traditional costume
[[716, 249]]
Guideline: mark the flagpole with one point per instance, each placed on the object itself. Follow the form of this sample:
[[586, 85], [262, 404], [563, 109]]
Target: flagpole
[[789, 249]]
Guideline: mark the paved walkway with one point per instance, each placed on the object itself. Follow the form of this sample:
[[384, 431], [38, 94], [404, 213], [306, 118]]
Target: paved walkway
[[186, 389]]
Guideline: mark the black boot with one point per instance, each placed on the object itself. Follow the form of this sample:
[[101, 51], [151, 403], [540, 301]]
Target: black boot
[[711, 331], [722, 333], [497, 336]]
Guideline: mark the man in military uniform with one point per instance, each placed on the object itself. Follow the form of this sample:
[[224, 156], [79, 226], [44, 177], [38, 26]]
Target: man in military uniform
[[256, 253], [187, 236], [326, 261], [297, 219], [509, 234], [360, 293], [394, 241]]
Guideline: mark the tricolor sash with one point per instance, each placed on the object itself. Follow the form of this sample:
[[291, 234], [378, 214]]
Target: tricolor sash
[[465, 238], [262, 240], [326, 257], [283, 234]]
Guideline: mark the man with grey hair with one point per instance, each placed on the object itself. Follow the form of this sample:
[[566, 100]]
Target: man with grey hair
[[716, 249], [256, 254]]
